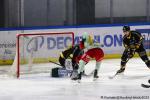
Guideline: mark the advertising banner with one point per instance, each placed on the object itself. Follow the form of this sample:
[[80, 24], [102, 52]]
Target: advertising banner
[[109, 36]]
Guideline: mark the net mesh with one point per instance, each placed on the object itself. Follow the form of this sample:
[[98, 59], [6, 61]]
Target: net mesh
[[35, 50]]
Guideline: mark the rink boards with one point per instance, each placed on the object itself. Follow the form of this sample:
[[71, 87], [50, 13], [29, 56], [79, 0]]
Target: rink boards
[[108, 35]]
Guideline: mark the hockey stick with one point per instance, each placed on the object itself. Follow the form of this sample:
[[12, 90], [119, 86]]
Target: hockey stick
[[111, 77], [87, 75], [146, 85]]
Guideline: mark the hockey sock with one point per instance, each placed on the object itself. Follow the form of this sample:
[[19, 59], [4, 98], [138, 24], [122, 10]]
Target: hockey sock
[[81, 66], [97, 65]]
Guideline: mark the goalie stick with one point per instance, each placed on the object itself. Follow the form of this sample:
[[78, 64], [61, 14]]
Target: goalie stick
[[55, 63], [58, 63], [146, 85]]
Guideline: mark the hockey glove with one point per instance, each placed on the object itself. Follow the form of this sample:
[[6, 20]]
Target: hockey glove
[[137, 46]]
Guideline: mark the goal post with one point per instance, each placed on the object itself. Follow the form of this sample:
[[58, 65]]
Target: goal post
[[38, 48]]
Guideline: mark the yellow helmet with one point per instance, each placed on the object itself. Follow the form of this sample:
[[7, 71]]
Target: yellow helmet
[[90, 40]]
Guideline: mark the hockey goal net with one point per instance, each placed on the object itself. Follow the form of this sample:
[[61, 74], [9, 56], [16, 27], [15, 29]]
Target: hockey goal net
[[35, 49]]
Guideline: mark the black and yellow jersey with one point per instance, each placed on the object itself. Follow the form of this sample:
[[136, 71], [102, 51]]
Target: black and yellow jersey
[[75, 51], [132, 40]]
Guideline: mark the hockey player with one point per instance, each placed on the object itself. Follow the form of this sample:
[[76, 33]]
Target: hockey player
[[92, 51], [74, 53], [132, 41]]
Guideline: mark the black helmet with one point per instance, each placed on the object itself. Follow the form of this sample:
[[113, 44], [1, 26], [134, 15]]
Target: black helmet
[[126, 28]]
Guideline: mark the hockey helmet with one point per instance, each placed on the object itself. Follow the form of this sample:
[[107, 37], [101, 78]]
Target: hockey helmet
[[87, 38], [84, 37], [126, 28]]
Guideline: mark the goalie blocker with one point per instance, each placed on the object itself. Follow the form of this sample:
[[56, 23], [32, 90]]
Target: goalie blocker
[[60, 72]]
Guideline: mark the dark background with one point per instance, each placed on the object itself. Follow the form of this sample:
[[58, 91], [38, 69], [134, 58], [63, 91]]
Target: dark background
[[28, 13]]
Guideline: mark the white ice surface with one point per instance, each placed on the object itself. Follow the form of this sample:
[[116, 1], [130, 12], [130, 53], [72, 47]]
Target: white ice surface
[[43, 87]]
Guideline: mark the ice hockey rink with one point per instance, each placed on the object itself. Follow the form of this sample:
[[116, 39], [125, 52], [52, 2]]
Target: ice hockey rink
[[43, 87]]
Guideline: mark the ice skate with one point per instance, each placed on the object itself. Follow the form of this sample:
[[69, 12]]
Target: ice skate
[[78, 78], [74, 74]]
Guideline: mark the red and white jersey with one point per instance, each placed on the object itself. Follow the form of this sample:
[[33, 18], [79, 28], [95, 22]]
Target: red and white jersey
[[94, 53]]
